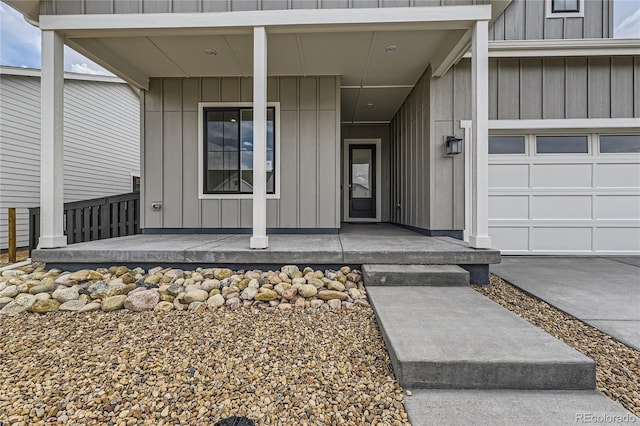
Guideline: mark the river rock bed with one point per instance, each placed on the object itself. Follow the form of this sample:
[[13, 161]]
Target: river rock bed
[[35, 289]]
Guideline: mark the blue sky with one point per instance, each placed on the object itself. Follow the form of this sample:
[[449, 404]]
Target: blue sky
[[20, 41]]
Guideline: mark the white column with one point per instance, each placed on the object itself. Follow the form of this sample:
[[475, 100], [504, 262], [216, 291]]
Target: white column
[[479, 237], [259, 240], [51, 145]]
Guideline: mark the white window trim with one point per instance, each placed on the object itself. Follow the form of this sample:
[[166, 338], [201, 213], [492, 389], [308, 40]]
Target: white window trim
[[578, 14], [201, 107]]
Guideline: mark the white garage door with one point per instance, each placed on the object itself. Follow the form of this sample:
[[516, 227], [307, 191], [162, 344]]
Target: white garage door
[[565, 194]]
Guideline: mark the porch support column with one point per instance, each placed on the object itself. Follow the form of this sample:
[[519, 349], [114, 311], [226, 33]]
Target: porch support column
[[51, 145], [259, 240], [479, 236]]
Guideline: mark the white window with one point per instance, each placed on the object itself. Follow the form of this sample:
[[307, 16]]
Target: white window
[[565, 8], [507, 145], [226, 150]]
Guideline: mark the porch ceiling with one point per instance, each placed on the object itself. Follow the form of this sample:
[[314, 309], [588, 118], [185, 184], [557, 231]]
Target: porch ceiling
[[374, 81]]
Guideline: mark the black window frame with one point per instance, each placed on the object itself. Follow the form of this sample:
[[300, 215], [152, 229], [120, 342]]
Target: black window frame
[[565, 9], [204, 142]]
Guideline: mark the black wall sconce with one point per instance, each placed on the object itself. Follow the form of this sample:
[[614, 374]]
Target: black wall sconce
[[453, 145]]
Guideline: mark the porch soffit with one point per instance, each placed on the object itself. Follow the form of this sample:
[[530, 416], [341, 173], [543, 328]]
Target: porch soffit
[[352, 45]]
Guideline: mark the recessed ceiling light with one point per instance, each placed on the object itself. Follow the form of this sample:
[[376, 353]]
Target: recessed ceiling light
[[369, 105], [233, 120], [211, 52], [390, 49]]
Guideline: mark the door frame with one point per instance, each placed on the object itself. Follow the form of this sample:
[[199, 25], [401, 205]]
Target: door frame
[[345, 179]]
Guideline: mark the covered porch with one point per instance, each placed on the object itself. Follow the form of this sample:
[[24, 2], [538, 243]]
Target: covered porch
[[355, 245], [323, 69]]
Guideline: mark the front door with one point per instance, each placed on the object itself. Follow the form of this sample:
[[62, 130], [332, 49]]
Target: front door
[[362, 181]]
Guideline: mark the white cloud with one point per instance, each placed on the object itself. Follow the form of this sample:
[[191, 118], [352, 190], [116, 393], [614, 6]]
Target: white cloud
[[83, 69], [629, 27], [75, 62]]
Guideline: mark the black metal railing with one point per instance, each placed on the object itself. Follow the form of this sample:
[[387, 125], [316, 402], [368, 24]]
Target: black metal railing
[[96, 219]]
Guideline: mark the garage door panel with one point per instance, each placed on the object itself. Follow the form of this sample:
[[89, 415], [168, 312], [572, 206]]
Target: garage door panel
[[555, 239], [617, 207], [509, 176], [561, 207], [509, 207], [617, 176], [617, 239], [510, 238], [561, 175]]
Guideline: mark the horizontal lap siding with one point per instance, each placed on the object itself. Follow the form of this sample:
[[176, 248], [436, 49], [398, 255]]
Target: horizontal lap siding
[[526, 20], [69, 7], [560, 88], [101, 141], [309, 153]]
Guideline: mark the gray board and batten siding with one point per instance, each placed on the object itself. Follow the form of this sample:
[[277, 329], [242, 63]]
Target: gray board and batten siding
[[101, 143], [562, 88], [309, 154], [427, 188], [527, 20], [73, 7]]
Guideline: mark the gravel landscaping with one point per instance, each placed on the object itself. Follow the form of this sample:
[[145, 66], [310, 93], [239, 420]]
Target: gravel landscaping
[[618, 366], [279, 353]]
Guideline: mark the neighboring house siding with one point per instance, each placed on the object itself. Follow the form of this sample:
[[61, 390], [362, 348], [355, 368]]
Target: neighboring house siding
[[535, 88], [101, 144], [526, 20], [374, 131], [309, 153], [67, 7]]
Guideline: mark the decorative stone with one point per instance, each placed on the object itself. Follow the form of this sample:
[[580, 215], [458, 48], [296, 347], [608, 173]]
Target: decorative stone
[[266, 295], [307, 290], [335, 285], [66, 294], [113, 303], [4, 300], [163, 307], [334, 304], [142, 301], [291, 293], [285, 306], [222, 273], [233, 303], [152, 279], [248, 293], [196, 296], [290, 270], [215, 301], [65, 280], [209, 284], [354, 293], [316, 282], [72, 305], [179, 302], [44, 306], [42, 296], [43, 288], [332, 294], [174, 289], [361, 302], [316, 303], [19, 305], [10, 291], [82, 275], [194, 306], [90, 307]]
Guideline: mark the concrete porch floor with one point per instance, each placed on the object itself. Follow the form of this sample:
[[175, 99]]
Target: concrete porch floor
[[354, 245]]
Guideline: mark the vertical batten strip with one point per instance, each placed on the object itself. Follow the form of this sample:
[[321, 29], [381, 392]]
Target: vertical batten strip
[[259, 240]]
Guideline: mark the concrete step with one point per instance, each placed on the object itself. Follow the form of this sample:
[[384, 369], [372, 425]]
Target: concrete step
[[415, 275], [454, 337], [513, 407]]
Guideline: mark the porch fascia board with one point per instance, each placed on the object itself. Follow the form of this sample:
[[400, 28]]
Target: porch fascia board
[[631, 124], [298, 20], [562, 48]]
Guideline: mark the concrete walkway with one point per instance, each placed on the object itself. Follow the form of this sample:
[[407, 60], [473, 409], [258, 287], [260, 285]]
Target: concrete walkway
[[604, 292]]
